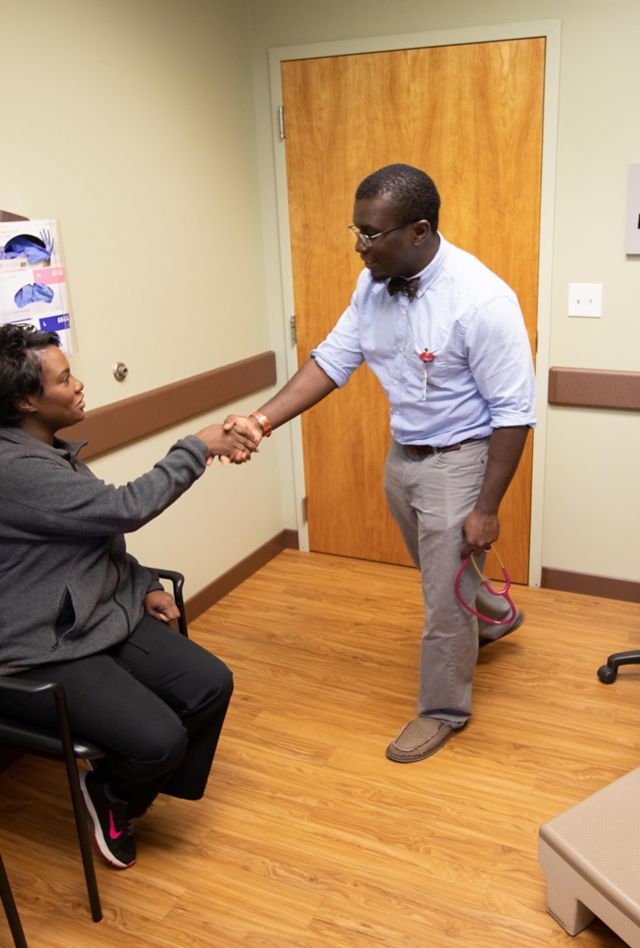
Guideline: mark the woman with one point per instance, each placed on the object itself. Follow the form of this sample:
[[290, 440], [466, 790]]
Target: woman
[[76, 608]]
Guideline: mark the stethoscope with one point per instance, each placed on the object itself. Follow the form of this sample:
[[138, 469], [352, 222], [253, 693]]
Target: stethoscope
[[501, 593]]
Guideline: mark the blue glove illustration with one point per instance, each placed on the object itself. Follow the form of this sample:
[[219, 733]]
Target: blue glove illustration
[[33, 293], [35, 249]]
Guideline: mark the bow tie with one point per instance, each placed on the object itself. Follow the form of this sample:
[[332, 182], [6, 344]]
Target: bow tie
[[402, 285]]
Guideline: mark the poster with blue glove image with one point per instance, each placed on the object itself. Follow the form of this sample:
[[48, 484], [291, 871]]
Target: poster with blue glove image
[[33, 283]]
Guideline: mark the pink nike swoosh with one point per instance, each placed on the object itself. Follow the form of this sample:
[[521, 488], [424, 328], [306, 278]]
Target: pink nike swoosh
[[113, 832]]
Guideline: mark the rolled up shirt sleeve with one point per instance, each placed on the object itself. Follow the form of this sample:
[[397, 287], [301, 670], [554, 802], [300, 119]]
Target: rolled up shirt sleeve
[[340, 354], [500, 361]]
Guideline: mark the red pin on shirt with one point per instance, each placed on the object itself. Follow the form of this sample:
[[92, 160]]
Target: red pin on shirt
[[427, 356]]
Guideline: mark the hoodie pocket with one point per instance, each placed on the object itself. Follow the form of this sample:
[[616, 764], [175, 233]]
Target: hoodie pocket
[[66, 621]]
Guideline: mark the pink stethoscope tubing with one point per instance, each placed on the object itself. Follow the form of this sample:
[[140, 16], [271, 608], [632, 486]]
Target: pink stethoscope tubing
[[503, 593]]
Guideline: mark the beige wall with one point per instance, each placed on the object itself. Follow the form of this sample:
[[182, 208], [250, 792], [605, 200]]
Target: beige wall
[[131, 122], [587, 500]]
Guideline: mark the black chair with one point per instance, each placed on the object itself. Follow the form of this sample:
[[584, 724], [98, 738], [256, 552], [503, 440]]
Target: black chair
[[608, 672], [61, 744], [15, 925]]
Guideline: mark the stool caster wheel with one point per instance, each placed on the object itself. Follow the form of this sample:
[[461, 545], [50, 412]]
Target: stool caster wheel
[[607, 674]]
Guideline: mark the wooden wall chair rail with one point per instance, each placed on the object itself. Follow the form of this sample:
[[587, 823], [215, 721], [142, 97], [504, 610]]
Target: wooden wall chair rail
[[62, 744], [594, 388], [128, 420]]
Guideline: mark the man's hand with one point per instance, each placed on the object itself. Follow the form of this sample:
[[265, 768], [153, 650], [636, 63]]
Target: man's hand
[[247, 428], [237, 444], [161, 605], [479, 531], [481, 527]]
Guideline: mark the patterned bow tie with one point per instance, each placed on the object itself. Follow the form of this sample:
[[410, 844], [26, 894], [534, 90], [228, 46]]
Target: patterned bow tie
[[402, 285]]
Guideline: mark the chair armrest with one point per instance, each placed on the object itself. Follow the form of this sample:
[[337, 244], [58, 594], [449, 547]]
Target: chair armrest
[[9, 683], [177, 581]]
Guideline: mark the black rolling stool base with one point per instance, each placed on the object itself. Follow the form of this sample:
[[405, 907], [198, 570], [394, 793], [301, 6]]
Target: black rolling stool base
[[609, 672]]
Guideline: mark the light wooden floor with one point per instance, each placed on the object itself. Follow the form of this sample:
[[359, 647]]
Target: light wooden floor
[[308, 836]]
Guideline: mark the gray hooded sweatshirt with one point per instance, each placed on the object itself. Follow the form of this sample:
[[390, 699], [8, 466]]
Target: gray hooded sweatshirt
[[68, 587]]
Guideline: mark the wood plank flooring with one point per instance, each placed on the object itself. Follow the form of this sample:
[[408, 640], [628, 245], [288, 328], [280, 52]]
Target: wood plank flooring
[[308, 837]]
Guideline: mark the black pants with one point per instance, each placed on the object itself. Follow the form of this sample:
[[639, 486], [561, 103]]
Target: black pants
[[156, 703]]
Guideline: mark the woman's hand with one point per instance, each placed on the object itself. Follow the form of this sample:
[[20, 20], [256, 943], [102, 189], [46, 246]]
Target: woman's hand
[[243, 427], [227, 441], [161, 605]]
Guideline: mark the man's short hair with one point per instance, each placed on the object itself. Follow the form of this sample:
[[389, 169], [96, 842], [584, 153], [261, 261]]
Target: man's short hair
[[412, 191]]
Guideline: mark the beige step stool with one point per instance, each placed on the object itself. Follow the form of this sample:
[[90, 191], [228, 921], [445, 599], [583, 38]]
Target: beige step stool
[[591, 857]]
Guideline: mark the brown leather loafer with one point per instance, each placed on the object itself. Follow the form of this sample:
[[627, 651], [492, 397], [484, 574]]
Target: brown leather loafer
[[421, 738]]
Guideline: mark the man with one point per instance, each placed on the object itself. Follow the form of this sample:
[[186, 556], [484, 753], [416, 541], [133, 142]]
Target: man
[[447, 340]]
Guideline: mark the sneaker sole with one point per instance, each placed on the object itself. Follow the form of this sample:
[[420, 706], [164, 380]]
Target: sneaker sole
[[98, 835]]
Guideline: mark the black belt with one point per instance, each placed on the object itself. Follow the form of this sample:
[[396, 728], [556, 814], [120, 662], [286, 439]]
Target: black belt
[[424, 450]]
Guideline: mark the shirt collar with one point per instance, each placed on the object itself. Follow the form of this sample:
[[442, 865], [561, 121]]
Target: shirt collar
[[430, 273]]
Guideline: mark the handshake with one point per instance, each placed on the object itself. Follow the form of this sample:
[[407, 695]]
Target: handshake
[[234, 441]]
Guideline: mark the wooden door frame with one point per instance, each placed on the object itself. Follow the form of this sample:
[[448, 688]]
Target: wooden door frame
[[276, 225]]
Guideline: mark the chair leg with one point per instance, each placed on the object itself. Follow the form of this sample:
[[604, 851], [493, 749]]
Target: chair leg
[[10, 909], [85, 840]]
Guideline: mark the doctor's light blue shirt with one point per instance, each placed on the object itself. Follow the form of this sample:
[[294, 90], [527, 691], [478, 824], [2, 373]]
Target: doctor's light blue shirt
[[468, 320]]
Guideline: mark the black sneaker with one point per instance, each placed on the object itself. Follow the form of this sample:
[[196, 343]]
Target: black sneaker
[[111, 826]]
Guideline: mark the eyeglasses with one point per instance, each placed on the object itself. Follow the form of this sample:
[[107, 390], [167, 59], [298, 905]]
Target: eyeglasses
[[503, 593], [367, 239]]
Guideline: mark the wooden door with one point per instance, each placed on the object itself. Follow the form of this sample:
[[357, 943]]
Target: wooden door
[[471, 117]]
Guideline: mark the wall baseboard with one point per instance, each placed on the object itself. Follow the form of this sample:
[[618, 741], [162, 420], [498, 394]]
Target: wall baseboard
[[605, 586], [201, 601], [560, 579]]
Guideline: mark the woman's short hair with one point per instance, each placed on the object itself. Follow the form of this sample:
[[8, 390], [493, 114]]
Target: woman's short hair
[[20, 366]]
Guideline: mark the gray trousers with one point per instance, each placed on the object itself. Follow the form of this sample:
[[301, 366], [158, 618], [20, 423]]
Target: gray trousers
[[429, 497]]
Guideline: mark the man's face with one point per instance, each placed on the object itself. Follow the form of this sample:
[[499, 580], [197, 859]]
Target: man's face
[[393, 254]]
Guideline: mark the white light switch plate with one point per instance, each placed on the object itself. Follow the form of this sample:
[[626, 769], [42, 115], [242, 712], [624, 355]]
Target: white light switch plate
[[585, 299]]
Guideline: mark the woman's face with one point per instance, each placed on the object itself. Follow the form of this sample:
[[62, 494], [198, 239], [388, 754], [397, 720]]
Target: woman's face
[[61, 403]]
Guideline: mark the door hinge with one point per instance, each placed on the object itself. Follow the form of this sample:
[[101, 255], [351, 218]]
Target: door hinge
[[281, 122], [305, 506], [292, 330]]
